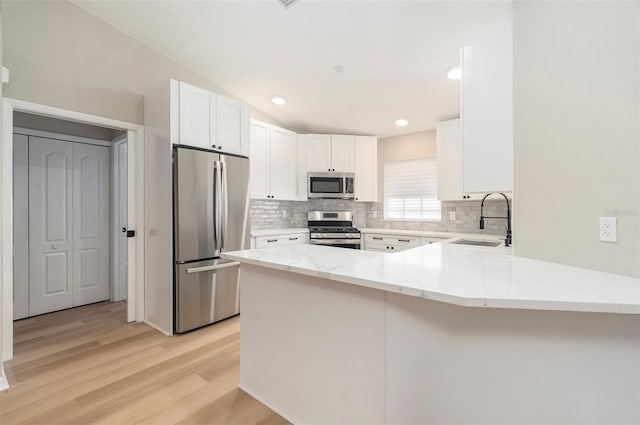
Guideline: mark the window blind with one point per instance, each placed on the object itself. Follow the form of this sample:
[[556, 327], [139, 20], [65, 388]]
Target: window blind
[[411, 190]]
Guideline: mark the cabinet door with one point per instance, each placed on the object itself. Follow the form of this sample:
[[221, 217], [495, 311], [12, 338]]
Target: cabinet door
[[232, 126], [283, 172], [366, 168], [197, 116], [259, 160], [487, 132], [319, 146], [342, 153], [449, 152]]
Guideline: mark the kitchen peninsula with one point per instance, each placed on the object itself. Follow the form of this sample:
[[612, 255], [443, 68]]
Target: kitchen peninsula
[[442, 333]]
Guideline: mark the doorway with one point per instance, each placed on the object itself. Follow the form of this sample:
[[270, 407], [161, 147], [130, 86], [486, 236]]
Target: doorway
[[64, 227], [134, 206]]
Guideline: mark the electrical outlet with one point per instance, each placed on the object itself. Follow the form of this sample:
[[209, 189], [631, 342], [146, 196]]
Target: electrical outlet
[[452, 216], [375, 214], [284, 213], [608, 229]]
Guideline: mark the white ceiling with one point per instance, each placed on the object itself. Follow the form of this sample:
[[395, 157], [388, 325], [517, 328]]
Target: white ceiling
[[395, 54]]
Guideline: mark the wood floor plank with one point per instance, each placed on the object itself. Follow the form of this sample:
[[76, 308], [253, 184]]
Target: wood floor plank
[[87, 365]]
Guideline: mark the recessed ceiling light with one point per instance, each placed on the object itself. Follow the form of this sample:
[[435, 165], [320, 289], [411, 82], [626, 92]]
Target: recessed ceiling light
[[454, 73], [279, 100], [401, 122]]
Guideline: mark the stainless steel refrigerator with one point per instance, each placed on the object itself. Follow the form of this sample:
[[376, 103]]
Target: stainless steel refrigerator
[[211, 216]]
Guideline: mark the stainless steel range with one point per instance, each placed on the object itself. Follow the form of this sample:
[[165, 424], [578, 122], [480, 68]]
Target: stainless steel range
[[333, 228]]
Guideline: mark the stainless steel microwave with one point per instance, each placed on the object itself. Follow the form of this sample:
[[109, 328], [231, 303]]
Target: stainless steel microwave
[[330, 185]]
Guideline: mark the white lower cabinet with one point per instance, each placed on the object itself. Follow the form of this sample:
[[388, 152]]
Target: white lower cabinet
[[389, 243], [280, 240]]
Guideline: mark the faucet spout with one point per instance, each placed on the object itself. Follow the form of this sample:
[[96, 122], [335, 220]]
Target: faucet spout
[[508, 240]]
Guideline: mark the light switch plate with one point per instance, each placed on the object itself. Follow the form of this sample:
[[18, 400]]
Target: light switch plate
[[608, 229], [452, 216]]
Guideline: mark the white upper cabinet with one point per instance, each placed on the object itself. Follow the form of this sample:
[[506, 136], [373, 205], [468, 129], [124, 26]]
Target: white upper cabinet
[[283, 175], [232, 126], [259, 160], [449, 153], [274, 168], [204, 119], [197, 111], [487, 116], [319, 151], [366, 168], [329, 153], [342, 153]]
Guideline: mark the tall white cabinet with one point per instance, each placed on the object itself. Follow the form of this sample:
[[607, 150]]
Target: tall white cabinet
[[204, 119], [366, 168], [487, 116], [274, 162]]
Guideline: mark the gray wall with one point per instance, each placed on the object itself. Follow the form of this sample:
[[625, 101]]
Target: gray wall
[[268, 214], [62, 56], [577, 134]]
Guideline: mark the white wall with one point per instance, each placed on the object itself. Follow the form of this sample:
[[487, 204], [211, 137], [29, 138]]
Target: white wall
[[60, 55], [577, 133]]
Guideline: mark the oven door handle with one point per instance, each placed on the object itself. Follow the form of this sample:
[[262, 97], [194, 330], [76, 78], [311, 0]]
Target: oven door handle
[[334, 241]]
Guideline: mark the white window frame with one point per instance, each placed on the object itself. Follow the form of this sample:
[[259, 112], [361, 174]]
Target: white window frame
[[428, 193]]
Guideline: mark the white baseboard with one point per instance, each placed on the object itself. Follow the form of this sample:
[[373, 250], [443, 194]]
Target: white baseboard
[[4, 383], [269, 405], [157, 328]]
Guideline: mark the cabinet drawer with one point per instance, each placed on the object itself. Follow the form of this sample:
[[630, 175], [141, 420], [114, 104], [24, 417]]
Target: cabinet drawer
[[385, 247], [280, 240], [395, 240]]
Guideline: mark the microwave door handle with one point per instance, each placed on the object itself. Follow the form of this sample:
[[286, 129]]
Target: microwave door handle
[[224, 204]]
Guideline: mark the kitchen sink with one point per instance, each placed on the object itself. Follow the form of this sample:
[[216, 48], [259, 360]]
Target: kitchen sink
[[477, 243]]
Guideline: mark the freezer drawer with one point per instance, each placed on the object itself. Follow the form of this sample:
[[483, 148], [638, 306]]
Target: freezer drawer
[[206, 292]]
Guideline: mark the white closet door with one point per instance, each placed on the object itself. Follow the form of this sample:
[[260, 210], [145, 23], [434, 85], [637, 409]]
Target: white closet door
[[90, 224], [50, 221]]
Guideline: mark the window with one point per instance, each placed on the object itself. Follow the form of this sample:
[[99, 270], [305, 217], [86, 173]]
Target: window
[[411, 190]]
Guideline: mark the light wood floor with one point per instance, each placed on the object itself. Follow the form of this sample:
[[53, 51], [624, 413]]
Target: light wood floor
[[87, 366]]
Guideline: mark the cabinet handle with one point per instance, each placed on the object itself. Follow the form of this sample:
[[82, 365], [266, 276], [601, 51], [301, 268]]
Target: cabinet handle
[[272, 240], [392, 247], [375, 238], [404, 240], [293, 239], [333, 169], [329, 169]]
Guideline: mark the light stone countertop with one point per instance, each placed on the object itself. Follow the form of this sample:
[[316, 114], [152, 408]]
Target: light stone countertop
[[434, 234], [274, 232], [463, 275]]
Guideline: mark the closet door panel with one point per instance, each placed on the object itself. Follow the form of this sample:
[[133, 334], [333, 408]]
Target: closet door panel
[[50, 222], [90, 224]]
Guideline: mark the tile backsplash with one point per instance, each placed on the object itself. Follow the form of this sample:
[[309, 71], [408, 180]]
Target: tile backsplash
[[271, 214]]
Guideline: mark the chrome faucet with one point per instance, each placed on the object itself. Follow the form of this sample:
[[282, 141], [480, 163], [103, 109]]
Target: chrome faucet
[[508, 239]]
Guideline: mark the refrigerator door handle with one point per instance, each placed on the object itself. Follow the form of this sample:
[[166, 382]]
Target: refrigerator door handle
[[225, 203], [210, 268], [217, 198]]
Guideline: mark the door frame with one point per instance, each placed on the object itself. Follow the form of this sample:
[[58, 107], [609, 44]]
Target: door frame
[[135, 208], [117, 292]]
